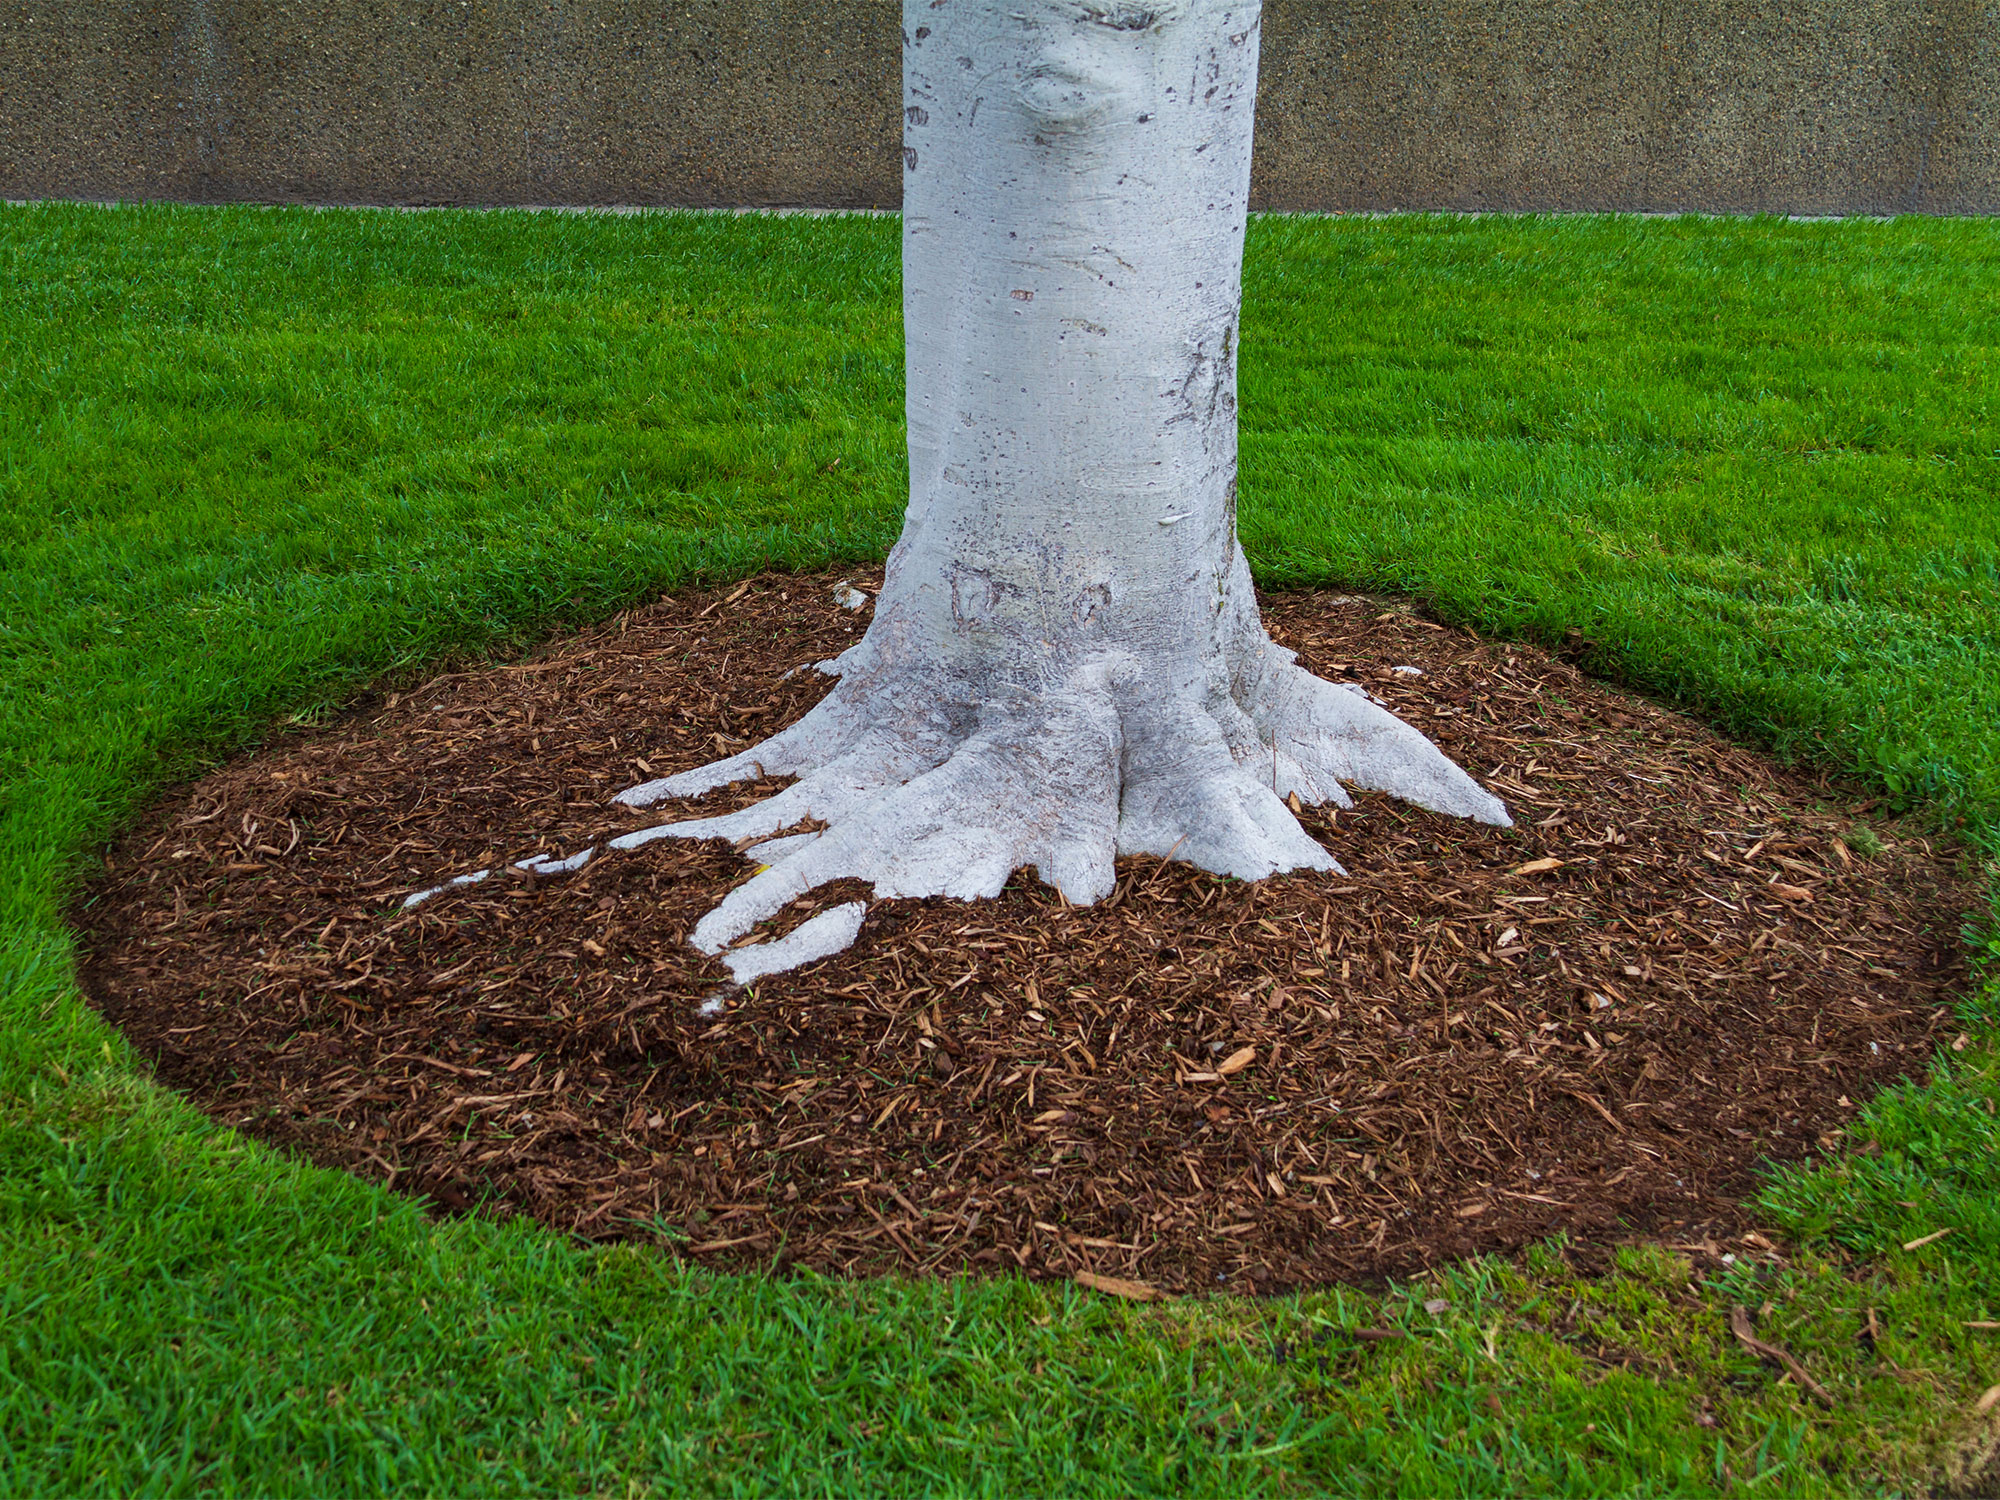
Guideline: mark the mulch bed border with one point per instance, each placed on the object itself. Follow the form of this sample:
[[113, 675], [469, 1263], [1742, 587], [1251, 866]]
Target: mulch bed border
[[1601, 1022]]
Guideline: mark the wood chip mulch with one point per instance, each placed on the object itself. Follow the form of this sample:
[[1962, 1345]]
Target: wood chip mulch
[[1602, 1021]]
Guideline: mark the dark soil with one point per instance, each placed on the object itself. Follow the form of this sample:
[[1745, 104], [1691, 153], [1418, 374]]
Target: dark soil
[[1196, 1083]]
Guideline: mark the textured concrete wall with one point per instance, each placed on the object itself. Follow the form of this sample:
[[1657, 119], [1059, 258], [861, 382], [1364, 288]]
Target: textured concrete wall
[[1797, 106], [1783, 106]]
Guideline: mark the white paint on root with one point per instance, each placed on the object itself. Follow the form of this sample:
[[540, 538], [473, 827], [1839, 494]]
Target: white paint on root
[[821, 937], [417, 898], [548, 864], [534, 864], [771, 851]]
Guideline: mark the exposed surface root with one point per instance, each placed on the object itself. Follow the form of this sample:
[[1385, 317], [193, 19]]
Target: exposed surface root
[[1324, 733], [813, 939], [962, 828], [1061, 782]]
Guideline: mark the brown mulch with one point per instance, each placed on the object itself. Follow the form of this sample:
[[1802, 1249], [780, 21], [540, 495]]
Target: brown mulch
[[1198, 1082]]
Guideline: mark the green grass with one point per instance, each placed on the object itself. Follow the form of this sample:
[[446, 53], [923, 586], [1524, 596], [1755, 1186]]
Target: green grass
[[252, 460]]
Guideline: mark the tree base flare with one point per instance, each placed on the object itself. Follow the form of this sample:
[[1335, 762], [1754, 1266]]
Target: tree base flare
[[922, 794]]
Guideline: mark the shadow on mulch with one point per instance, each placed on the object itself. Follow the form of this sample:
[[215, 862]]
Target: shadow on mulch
[[1600, 1021]]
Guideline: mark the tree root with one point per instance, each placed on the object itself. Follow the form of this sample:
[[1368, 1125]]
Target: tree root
[[1062, 780], [919, 788]]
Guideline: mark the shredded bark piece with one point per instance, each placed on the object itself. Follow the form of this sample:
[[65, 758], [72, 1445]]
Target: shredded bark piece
[[1601, 1021], [1740, 1325]]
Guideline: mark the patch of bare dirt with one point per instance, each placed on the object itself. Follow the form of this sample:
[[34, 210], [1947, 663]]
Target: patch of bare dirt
[[1600, 1021]]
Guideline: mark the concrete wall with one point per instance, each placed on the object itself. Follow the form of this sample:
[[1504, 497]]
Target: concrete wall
[[1796, 106]]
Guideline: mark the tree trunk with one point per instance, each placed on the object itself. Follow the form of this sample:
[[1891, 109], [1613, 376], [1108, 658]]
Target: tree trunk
[[1066, 661]]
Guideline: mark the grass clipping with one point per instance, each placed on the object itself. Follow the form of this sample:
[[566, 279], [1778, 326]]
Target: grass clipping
[[1676, 967]]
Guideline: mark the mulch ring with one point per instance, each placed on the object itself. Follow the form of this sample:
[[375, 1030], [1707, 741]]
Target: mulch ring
[[1600, 1021]]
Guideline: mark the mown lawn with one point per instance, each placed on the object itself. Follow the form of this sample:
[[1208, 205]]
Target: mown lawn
[[251, 460]]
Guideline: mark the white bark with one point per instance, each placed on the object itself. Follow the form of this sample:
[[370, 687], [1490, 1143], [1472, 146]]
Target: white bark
[[1065, 662], [820, 937]]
